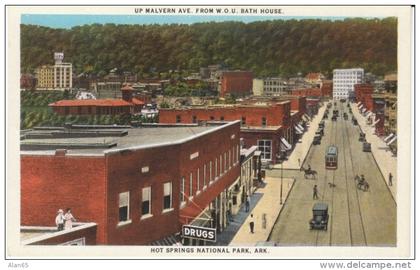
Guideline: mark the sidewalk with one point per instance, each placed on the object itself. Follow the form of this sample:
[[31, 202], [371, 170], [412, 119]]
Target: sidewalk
[[386, 161], [301, 149], [268, 205]]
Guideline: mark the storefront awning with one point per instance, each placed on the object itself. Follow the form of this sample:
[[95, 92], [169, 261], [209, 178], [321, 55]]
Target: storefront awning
[[300, 127], [389, 137], [391, 141], [358, 103], [364, 109], [360, 106], [286, 143], [298, 131], [377, 120], [369, 114]]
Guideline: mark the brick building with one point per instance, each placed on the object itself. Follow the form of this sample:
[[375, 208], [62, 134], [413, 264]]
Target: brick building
[[139, 185], [127, 105], [327, 89], [266, 123], [307, 92], [363, 94], [237, 83]]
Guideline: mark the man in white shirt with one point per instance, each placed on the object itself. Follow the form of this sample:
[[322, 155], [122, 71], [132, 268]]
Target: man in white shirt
[[59, 220]]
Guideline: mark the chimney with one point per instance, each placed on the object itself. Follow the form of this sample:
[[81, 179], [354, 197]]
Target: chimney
[[127, 92]]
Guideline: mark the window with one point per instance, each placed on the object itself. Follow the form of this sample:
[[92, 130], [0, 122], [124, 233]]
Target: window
[[221, 165], [215, 168], [178, 118], [263, 121], [191, 185], [243, 121], [182, 189], [124, 202], [212, 118], [204, 176], [146, 204], [167, 195], [210, 171], [194, 119], [198, 180], [225, 162], [222, 118], [265, 147]]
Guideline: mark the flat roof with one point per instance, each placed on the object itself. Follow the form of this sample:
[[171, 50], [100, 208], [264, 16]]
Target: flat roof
[[135, 138]]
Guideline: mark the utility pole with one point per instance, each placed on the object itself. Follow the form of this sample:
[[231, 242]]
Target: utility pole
[[281, 184]]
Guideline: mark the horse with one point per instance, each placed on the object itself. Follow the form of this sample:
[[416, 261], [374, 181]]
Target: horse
[[308, 172], [362, 184]]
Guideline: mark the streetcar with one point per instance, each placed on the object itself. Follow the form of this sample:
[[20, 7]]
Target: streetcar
[[331, 157]]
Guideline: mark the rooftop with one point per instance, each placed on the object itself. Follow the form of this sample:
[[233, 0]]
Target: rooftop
[[98, 142]]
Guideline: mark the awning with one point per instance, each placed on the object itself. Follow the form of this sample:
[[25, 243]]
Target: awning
[[360, 106], [389, 137], [167, 241], [286, 143], [298, 131], [306, 117], [374, 123], [358, 103], [391, 141], [369, 114], [301, 128], [364, 109]]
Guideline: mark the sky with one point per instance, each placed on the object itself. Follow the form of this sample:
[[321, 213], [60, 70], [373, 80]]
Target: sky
[[69, 21]]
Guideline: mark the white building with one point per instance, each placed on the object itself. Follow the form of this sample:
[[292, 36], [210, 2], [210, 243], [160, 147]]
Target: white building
[[269, 87], [344, 81]]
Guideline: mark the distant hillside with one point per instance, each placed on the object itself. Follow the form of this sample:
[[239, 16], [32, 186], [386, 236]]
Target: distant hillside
[[267, 48]]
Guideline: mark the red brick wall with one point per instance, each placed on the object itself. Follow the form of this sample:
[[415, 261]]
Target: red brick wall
[[84, 110], [238, 83], [125, 175], [89, 234], [275, 115], [298, 104], [313, 92], [327, 89], [52, 182], [251, 138]]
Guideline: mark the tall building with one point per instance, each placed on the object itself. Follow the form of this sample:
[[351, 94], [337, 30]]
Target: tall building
[[344, 81], [238, 83], [55, 77]]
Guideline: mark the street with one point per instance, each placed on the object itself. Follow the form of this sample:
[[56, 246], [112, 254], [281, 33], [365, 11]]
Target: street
[[356, 217]]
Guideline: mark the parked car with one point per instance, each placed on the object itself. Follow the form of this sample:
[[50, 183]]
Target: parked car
[[317, 140], [319, 216], [334, 118], [345, 116], [367, 147], [362, 137], [321, 124]]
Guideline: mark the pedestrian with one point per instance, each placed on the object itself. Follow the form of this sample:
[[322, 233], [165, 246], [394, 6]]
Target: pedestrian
[[247, 203], [251, 223], [68, 219], [315, 193], [299, 162], [390, 179], [59, 220]]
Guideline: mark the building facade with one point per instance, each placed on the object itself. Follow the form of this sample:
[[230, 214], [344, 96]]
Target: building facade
[[56, 77], [140, 188], [363, 94], [344, 81], [236, 83]]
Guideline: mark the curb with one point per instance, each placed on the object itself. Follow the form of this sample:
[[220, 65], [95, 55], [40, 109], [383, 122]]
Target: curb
[[281, 210]]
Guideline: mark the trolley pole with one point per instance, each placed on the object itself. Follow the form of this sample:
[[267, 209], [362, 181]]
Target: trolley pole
[[281, 184]]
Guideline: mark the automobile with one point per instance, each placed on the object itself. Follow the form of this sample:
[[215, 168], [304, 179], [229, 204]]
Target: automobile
[[320, 132], [317, 140], [325, 116], [320, 216], [362, 137], [367, 147], [321, 124], [345, 116], [334, 118], [342, 100], [354, 120]]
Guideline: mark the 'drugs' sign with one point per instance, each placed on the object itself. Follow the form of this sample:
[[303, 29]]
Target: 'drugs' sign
[[201, 233]]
